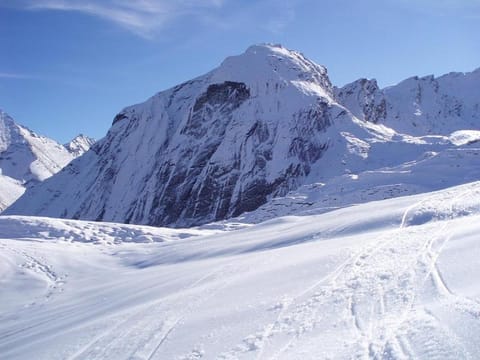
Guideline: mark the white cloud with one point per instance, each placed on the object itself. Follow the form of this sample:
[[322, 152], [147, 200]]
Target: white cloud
[[4, 75], [281, 18], [142, 17], [146, 17], [443, 4]]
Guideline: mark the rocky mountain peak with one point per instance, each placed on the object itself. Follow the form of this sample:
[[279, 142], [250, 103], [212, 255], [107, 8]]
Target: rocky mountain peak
[[364, 99], [272, 64], [79, 145]]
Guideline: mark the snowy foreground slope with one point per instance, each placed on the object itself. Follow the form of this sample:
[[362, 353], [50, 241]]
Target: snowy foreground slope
[[391, 279]]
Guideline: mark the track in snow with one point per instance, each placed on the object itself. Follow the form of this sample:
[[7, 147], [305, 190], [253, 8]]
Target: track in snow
[[369, 290], [141, 333], [373, 296]]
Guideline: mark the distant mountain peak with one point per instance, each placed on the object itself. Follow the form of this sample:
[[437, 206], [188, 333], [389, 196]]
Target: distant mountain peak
[[79, 145], [25, 159]]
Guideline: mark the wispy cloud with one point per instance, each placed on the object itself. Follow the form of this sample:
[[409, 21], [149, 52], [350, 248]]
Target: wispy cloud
[[5, 75], [143, 17], [284, 15], [442, 4], [270, 17]]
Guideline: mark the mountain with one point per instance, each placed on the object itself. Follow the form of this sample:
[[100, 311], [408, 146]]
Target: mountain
[[260, 125], [26, 156], [26, 159], [418, 105], [79, 145], [10, 190]]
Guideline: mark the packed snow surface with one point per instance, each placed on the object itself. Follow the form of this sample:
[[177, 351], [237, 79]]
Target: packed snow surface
[[389, 279]]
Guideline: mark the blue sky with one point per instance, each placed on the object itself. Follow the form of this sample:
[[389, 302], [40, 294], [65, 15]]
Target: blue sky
[[68, 66]]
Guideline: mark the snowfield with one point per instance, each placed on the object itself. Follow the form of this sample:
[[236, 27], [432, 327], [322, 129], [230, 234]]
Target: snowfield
[[388, 279]]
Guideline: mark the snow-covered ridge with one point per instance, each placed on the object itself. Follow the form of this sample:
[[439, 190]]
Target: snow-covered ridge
[[268, 64], [27, 158], [418, 105], [23, 227]]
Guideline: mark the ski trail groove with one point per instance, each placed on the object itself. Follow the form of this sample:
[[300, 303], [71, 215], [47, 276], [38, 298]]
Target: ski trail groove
[[141, 334], [377, 288]]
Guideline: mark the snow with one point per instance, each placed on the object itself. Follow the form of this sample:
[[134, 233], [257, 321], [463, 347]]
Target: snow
[[463, 137], [27, 158], [391, 279], [11, 190], [79, 145], [269, 64], [452, 166], [368, 248], [417, 105]]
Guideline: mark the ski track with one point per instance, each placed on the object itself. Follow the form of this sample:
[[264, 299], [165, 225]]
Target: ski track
[[377, 288], [366, 308], [143, 332], [39, 265]]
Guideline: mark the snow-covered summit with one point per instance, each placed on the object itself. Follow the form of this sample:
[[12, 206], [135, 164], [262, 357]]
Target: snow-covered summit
[[79, 145], [274, 65]]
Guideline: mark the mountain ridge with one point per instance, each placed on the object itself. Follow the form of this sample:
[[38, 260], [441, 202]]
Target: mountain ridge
[[261, 124], [27, 158]]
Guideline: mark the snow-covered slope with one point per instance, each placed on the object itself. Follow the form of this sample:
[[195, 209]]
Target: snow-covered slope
[[260, 125], [79, 145], [418, 105], [25, 159], [454, 165], [26, 156], [391, 279], [10, 190]]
